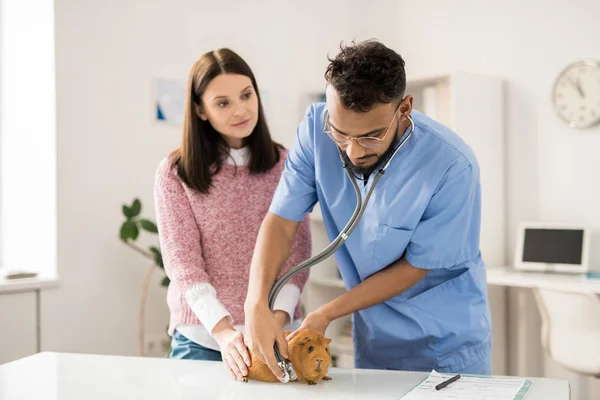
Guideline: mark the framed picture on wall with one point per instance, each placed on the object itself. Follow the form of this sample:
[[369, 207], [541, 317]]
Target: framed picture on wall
[[169, 101]]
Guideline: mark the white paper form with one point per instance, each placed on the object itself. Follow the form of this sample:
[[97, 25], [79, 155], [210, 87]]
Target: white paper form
[[466, 388]]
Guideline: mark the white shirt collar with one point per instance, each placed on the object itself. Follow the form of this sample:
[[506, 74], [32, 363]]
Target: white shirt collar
[[239, 156]]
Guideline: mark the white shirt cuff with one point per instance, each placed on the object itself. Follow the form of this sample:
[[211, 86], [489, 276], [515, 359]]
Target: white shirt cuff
[[287, 300], [202, 299]]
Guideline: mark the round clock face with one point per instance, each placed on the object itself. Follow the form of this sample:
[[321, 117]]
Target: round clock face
[[576, 94]]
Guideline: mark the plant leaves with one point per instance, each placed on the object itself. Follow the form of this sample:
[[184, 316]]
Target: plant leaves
[[157, 257], [129, 230], [136, 208], [165, 282], [127, 212], [148, 225]]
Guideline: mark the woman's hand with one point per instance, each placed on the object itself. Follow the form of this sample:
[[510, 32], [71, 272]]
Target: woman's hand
[[233, 349]]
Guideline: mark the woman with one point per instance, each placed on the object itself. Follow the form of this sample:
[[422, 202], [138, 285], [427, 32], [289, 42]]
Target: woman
[[211, 196]]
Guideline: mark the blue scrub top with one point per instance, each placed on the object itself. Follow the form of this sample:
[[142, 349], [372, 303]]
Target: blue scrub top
[[427, 208]]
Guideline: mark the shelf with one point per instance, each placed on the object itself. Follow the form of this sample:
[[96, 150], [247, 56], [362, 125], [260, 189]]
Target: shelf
[[27, 284], [330, 282], [316, 215], [424, 81], [342, 348], [345, 345], [316, 218]]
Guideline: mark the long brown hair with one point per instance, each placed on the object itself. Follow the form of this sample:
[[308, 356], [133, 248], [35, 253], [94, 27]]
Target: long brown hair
[[203, 149]]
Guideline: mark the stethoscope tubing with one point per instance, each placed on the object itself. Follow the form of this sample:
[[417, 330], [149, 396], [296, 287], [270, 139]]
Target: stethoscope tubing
[[342, 236]]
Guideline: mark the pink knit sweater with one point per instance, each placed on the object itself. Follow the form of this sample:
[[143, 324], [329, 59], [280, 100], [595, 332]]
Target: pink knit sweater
[[211, 238]]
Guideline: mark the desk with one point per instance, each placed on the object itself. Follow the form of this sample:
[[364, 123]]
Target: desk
[[517, 326], [60, 376], [504, 276]]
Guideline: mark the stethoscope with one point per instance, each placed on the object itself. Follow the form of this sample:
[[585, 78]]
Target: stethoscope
[[284, 365]]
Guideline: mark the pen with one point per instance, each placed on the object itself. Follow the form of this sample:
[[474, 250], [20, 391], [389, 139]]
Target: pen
[[446, 383]]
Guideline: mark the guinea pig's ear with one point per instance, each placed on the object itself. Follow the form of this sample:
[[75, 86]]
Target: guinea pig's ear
[[327, 340], [304, 341]]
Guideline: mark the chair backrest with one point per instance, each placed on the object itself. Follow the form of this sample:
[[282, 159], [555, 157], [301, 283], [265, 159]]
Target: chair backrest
[[571, 328]]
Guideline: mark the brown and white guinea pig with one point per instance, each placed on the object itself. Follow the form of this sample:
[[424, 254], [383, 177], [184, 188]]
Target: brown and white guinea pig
[[309, 354]]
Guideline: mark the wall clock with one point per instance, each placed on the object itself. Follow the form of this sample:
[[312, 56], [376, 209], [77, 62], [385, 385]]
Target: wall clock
[[576, 94]]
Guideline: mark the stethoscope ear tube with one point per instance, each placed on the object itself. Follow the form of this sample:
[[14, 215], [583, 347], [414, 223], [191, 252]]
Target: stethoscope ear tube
[[339, 240]]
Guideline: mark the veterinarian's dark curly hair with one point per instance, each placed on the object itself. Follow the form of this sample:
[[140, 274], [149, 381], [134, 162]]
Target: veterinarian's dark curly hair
[[367, 73]]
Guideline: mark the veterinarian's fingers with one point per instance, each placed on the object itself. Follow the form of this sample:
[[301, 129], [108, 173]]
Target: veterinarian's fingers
[[271, 362], [239, 361], [264, 355], [282, 344], [233, 366], [291, 335], [243, 350]]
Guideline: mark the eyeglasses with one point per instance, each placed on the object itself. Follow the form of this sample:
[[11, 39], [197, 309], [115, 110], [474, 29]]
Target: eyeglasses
[[340, 138]]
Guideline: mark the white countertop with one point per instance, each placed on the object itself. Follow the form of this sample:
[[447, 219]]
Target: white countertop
[[60, 376], [504, 276], [27, 284]]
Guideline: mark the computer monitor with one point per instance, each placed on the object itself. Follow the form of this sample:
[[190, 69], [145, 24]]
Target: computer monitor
[[552, 247]]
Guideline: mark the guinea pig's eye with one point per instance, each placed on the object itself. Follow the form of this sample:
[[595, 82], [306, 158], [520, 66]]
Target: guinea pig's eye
[[310, 349], [327, 349]]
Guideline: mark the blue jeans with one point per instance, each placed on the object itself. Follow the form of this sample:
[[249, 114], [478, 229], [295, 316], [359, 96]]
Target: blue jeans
[[184, 349]]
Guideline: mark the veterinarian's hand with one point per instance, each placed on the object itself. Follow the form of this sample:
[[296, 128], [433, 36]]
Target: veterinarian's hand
[[233, 349], [316, 320], [281, 317], [262, 331]]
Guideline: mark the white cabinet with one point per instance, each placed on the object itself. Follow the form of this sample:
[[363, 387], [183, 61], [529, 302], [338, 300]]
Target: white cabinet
[[324, 285], [18, 326], [471, 105]]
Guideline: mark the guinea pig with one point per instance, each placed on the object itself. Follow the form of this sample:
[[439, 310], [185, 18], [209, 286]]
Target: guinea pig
[[309, 355]]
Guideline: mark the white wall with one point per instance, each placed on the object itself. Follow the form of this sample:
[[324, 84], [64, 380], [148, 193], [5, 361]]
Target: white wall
[[551, 169], [108, 52], [527, 43]]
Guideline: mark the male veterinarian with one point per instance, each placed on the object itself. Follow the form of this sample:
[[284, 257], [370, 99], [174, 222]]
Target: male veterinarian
[[413, 269]]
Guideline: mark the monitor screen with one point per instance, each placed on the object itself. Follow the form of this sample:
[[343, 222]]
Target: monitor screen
[[554, 246]]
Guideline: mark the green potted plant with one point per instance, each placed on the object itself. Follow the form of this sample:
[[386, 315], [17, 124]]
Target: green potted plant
[[129, 233]]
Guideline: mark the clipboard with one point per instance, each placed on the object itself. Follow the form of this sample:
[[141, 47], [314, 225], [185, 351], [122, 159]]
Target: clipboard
[[469, 387], [519, 395]]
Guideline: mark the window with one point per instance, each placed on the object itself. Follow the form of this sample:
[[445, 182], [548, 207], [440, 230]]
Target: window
[[27, 136]]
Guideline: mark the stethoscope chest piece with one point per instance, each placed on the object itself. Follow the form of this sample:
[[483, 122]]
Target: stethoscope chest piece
[[288, 371]]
